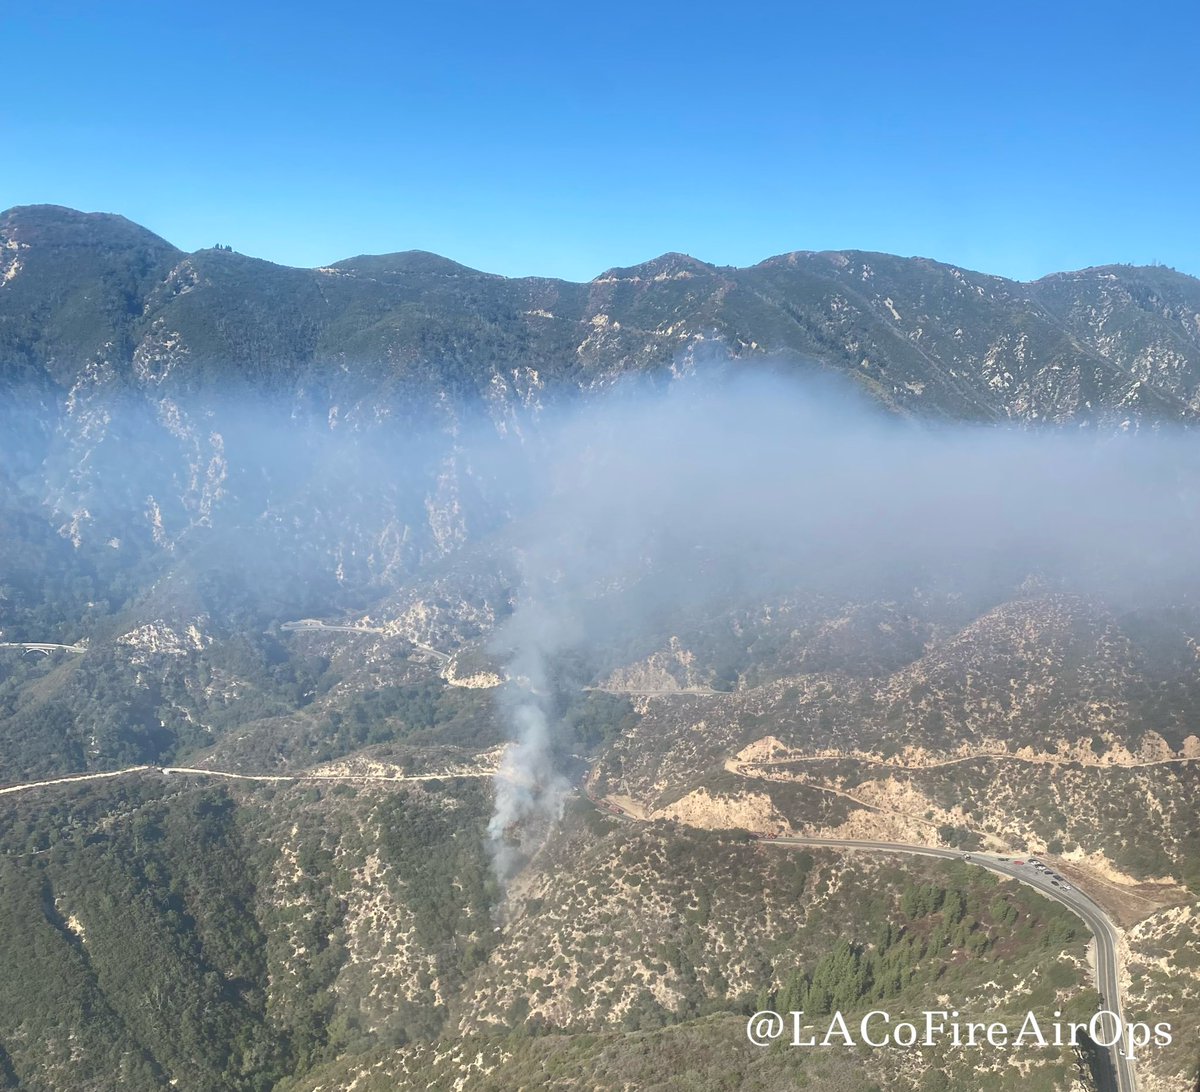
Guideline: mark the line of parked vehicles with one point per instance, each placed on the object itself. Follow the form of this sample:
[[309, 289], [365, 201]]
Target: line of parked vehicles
[[1055, 879]]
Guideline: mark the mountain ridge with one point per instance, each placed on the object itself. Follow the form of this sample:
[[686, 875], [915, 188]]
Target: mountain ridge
[[418, 256], [92, 302]]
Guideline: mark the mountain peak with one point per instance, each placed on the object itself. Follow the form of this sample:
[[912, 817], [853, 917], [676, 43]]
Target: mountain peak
[[669, 266], [57, 225], [404, 262]]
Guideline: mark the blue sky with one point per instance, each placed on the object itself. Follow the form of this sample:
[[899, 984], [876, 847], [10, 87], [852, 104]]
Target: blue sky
[[562, 139]]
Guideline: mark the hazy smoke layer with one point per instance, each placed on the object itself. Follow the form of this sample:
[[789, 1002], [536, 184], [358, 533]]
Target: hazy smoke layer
[[628, 514], [650, 505]]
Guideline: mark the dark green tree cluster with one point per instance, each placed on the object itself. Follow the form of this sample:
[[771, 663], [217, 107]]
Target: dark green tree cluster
[[940, 923]]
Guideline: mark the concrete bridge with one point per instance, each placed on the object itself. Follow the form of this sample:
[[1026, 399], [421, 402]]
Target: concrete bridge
[[44, 647]]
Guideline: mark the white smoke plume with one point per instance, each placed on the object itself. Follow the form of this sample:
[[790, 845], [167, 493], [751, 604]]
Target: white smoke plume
[[529, 789]]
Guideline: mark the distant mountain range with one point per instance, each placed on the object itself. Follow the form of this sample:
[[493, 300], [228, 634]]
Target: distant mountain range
[[93, 302], [320, 588]]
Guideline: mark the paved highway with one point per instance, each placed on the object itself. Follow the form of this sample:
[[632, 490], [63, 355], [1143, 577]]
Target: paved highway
[[308, 624], [1120, 1077]]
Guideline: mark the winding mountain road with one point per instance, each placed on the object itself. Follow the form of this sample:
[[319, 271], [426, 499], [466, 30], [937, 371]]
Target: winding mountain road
[[74, 779], [229, 775], [313, 625]]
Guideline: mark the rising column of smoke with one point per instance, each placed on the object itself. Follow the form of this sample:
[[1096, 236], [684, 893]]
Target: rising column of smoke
[[529, 789], [607, 480], [568, 550]]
